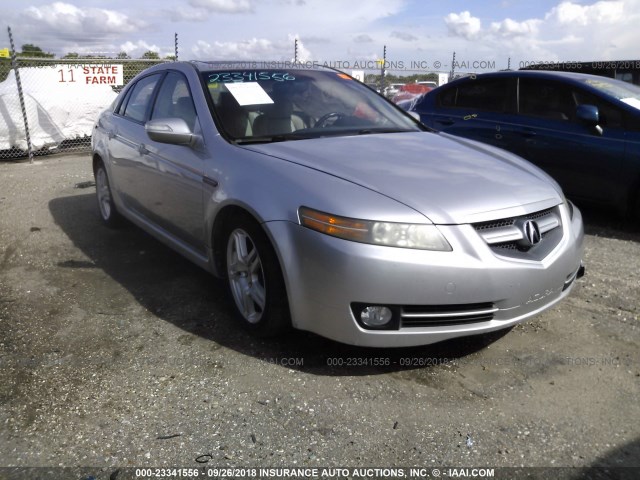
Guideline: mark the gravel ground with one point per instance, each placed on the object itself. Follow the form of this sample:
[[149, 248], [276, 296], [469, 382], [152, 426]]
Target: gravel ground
[[117, 352]]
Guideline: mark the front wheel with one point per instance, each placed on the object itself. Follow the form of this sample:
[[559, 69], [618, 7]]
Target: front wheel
[[107, 208], [255, 280]]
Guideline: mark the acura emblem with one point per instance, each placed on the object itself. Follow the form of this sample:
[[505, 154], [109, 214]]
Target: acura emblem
[[531, 232]]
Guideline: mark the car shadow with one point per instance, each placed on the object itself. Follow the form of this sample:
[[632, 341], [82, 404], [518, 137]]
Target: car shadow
[[623, 463], [602, 222], [177, 291]]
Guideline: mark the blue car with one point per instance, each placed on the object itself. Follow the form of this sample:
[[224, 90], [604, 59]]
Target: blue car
[[583, 130]]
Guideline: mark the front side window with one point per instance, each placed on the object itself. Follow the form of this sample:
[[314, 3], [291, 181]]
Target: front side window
[[140, 97], [546, 99], [279, 105], [610, 116], [174, 100]]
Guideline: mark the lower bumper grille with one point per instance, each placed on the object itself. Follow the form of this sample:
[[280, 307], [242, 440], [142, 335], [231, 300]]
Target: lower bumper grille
[[573, 277], [443, 315]]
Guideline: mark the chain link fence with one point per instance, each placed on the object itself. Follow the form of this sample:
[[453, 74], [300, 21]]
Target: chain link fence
[[49, 105]]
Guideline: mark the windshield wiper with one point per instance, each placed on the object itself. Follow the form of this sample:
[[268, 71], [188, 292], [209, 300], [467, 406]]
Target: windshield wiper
[[271, 139], [368, 131]]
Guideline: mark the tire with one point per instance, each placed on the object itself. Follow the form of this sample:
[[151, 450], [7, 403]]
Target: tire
[[106, 207], [254, 279]]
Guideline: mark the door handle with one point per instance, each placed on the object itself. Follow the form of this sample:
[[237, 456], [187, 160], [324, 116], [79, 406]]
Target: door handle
[[142, 149], [528, 133], [111, 134], [446, 121]]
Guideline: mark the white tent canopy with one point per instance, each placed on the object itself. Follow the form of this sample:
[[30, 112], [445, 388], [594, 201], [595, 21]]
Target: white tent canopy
[[56, 110]]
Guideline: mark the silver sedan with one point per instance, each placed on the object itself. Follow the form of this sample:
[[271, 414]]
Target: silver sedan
[[330, 210]]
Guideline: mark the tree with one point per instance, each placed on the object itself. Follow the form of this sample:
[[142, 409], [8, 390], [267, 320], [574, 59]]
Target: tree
[[151, 55], [71, 55], [30, 50], [123, 55]]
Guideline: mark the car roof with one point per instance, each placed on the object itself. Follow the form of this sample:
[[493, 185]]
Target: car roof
[[550, 75]]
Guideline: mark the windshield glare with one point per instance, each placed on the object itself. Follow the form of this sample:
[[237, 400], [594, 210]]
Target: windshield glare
[[276, 105], [625, 92]]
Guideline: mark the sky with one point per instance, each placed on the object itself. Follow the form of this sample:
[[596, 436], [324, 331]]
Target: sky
[[418, 34]]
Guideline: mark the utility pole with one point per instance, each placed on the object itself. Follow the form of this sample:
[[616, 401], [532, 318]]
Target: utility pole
[[295, 51], [383, 70], [453, 66], [23, 107]]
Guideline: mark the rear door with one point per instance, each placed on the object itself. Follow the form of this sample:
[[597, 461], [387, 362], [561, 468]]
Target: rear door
[[478, 108]]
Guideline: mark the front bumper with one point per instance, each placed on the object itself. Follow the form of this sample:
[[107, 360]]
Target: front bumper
[[326, 276]]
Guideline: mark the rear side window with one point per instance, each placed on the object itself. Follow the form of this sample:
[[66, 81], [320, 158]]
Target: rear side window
[[632, 122], [140, 97], [492, 94], [448, 98]]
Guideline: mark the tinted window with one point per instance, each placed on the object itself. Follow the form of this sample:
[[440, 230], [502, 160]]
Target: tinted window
[[610, 116], [542, 98], [140, 97], [448, 98], [632, 122], [174, 100], [489, 94]]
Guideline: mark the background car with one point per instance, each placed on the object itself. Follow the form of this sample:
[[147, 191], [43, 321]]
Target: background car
[[392, 89], [327, 208], [428, 83], [583, 130], [410, 91]]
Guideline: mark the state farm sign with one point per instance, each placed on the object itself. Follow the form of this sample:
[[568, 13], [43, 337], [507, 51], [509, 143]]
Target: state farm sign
[[91, 74]]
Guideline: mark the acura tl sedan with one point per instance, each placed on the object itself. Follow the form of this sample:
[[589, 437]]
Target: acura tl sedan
[[328, 209]]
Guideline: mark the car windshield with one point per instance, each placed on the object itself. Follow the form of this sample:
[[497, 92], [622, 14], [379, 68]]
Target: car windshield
[[625, 92], [280, 105]]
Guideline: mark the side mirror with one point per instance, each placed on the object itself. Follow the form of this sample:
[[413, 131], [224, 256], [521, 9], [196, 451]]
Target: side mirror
[[589, 116], [170, 130], [415, 115]]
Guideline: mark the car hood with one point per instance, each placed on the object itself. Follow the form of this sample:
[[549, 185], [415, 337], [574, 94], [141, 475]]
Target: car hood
[[447, 179]]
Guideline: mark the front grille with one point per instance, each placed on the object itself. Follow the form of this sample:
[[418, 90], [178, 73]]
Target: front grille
[[507, 222], [514, 245], [506, 237], [444, 315]]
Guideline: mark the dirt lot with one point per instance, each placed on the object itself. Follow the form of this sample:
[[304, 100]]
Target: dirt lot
[[117, 352]]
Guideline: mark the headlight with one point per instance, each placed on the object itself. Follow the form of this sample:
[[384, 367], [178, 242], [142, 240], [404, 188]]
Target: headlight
[[403, 235]]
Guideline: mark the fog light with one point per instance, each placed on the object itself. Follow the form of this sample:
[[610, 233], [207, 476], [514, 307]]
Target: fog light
[[376, 316]]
